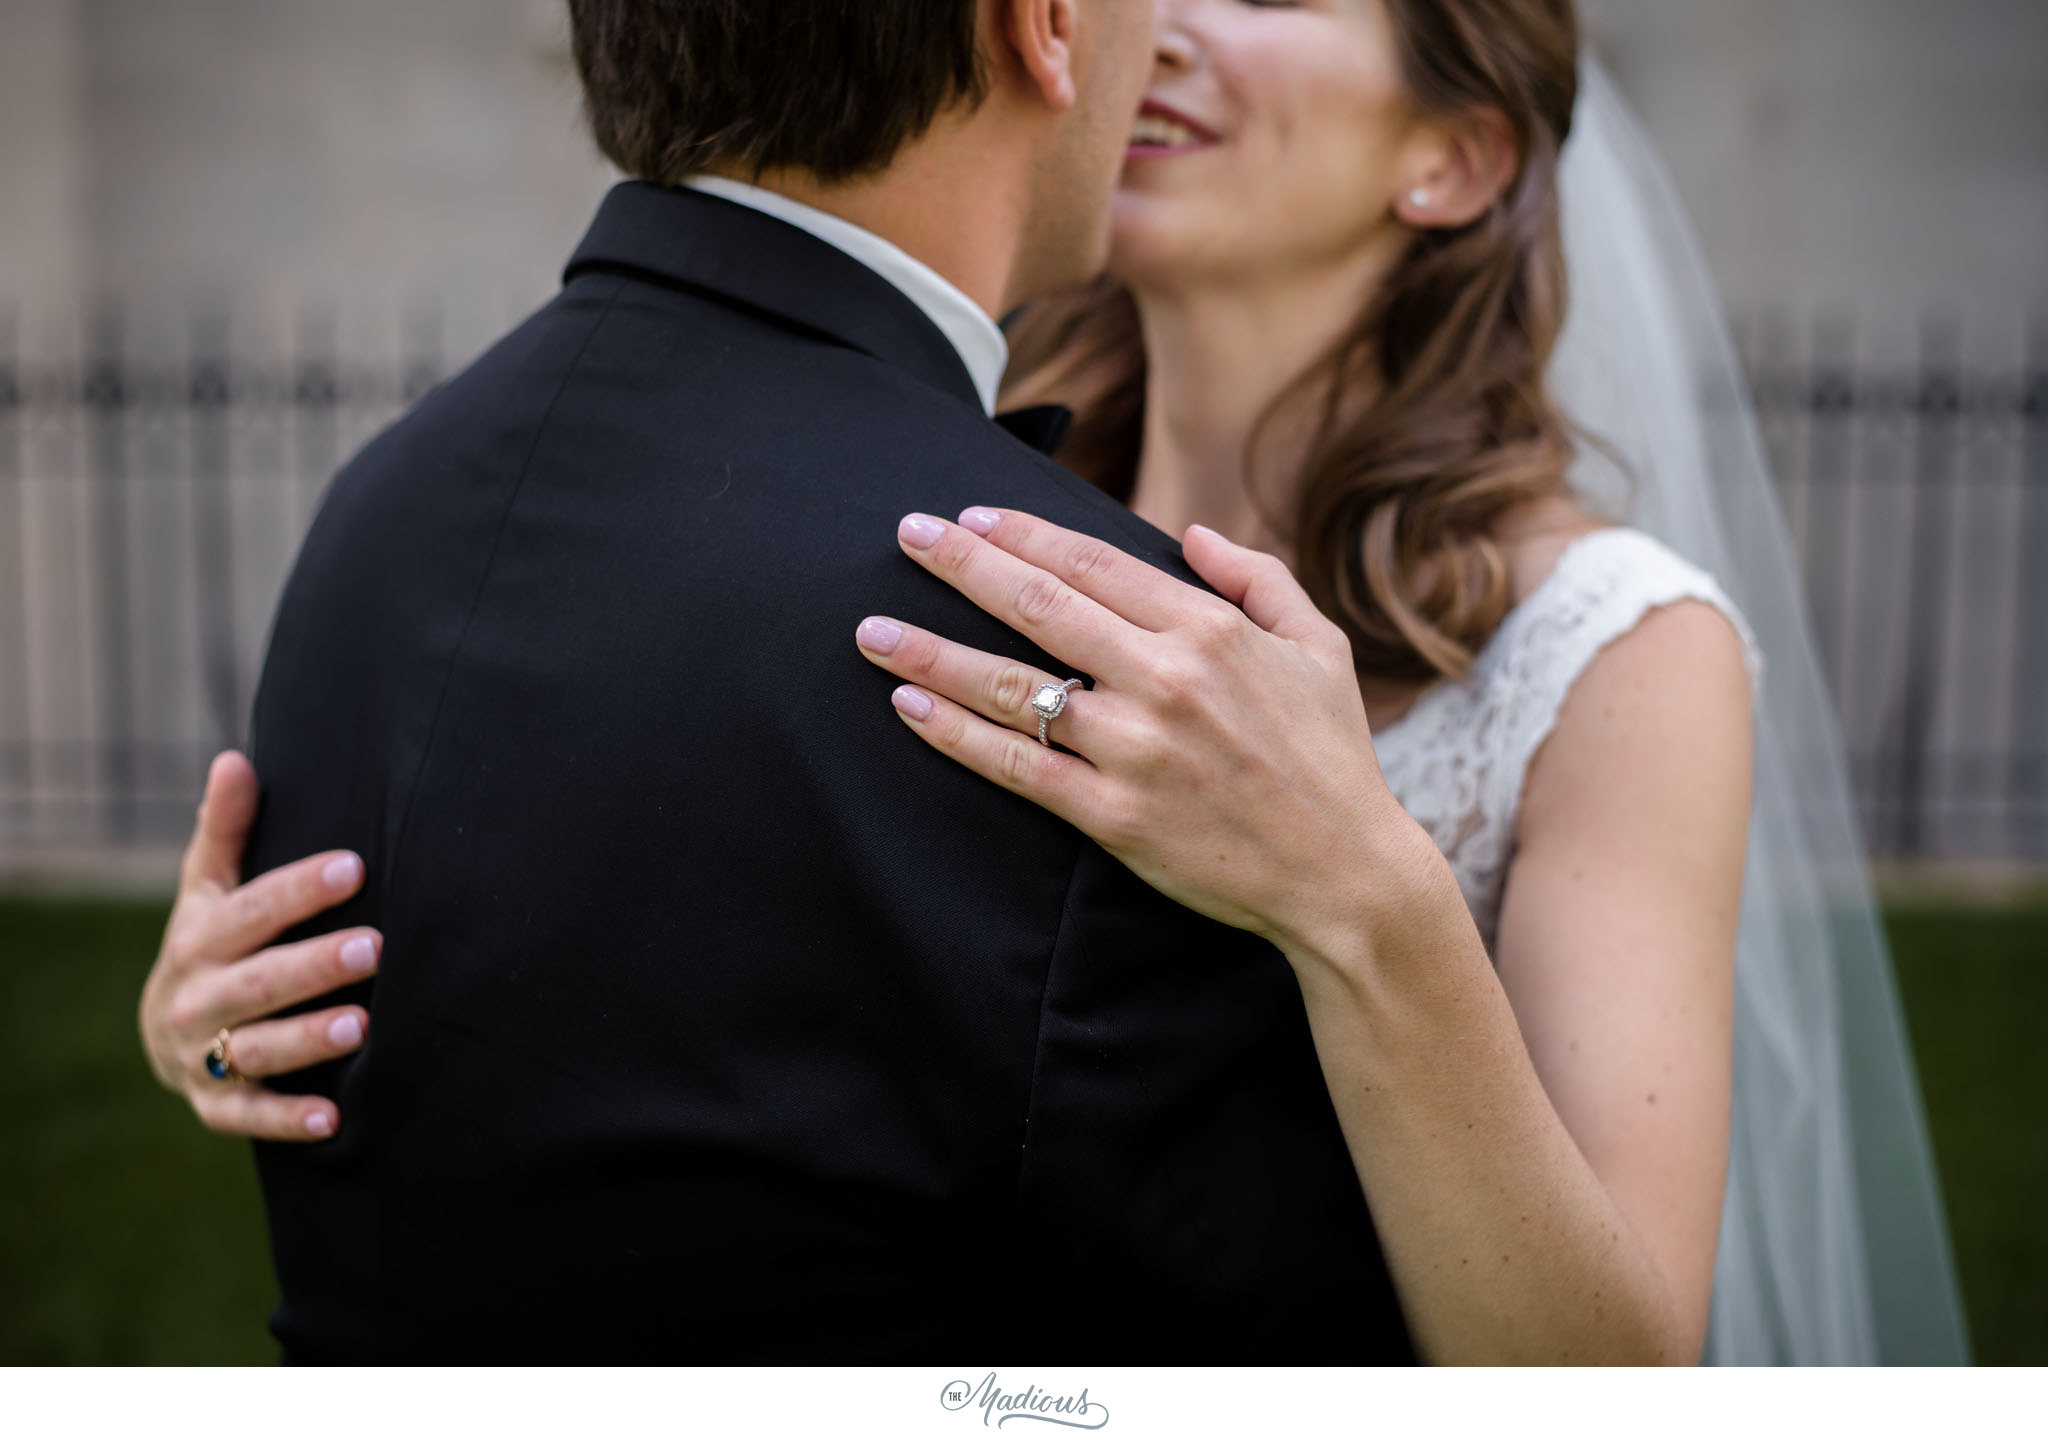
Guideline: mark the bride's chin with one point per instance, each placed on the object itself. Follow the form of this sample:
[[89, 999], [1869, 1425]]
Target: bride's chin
[[1142, 248], [1130, 269], [1156, 263]]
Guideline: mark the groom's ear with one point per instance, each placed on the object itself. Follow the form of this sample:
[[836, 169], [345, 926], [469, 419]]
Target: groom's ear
[[1040, 38]]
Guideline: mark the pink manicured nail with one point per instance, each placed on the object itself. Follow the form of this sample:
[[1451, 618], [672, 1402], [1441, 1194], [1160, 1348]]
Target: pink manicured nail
[[319, 1125], [879, 635], [346, 1031], [342, 872], [981, 520], [911, 702], [359, 955], [920, 531]]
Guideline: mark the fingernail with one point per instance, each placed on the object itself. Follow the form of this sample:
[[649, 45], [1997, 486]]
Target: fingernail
[[319, 1125], [911, 702], [1198, 527], [342, 872], [346, 1031], [980, 520], [920, 531], [878, 634], [359, 956]]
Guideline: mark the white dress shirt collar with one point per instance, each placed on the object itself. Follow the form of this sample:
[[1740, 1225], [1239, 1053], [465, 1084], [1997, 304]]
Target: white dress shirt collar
[[973, 334]]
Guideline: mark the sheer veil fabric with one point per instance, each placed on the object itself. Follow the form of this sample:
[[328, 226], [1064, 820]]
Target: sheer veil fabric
[[1834, 1247]]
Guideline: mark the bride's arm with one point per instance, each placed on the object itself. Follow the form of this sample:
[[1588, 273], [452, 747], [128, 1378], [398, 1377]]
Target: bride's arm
[[1226, 758], [1617, 932], [1545, 1150]]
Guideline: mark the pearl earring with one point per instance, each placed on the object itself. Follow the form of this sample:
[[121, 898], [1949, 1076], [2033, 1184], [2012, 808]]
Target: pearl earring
[[1419, 198]]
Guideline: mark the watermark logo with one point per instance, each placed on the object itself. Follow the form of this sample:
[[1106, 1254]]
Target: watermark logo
[[1034, 1404]]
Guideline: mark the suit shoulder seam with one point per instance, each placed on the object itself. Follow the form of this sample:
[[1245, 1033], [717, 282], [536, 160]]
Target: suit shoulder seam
[[483, 580]]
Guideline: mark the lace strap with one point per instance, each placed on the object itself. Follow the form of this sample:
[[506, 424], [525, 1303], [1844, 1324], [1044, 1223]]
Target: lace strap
[[1602, 585]]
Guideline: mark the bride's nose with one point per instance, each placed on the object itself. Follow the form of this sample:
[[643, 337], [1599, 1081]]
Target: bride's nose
[[1175, 50]]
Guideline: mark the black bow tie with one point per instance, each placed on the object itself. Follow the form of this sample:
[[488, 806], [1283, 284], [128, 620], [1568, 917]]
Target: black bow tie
[[1041, 427]]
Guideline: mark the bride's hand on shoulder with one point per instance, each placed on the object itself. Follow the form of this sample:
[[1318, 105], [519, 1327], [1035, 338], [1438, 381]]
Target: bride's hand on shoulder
[[1222, 751], [217, 969]]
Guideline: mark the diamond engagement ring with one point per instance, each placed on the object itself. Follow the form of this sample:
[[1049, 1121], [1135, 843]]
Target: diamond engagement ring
[[1048, 701]]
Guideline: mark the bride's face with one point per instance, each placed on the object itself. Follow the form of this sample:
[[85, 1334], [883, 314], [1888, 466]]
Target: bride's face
[[1273, 136]]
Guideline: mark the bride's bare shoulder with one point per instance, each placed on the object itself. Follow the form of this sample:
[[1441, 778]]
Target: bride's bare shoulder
[[1662, 702], [1535, 535], [1658, 723]]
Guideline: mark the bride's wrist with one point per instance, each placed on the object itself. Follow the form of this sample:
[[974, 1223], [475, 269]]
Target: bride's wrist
[[1394, 896]]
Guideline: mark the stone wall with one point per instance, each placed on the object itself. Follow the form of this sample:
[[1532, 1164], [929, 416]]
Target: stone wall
[[1876, 157], [1881, 160]]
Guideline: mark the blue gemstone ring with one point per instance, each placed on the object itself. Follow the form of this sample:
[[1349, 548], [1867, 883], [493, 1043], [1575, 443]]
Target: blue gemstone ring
[[220, 1060]]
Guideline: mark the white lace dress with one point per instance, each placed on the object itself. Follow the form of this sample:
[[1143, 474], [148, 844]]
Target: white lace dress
[[1456, 759]]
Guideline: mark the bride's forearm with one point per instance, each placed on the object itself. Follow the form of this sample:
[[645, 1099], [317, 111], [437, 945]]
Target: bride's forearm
[[1503, 1244]]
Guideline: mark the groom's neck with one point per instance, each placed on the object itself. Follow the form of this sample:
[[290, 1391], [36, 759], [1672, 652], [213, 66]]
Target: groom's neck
[[965, 220]]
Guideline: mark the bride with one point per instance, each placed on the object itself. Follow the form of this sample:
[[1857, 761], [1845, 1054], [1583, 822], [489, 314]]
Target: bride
[[1569, 886]]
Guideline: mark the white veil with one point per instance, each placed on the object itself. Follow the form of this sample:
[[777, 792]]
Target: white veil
[[1834, 1248]]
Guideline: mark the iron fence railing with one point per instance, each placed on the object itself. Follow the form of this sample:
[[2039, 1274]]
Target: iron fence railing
[[1916, 491], [150, 504], [151, 501]]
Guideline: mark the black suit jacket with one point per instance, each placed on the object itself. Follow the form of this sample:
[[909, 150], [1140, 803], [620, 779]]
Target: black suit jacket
[[720, 1020]]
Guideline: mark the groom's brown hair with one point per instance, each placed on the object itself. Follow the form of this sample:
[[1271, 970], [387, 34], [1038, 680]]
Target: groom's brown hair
[[833, 87]]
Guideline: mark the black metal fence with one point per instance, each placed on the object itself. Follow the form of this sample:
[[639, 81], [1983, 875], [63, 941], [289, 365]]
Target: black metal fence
[[1917, 494], [151, 498], [150, 506]]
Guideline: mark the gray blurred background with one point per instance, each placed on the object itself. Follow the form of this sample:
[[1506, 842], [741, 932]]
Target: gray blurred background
[[237, 235]]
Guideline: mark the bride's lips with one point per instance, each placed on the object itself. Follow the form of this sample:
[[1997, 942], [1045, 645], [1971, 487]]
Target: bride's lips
[[1162, 130]]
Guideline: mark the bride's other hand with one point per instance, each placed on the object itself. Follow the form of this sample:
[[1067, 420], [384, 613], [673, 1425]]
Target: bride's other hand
[[216, 970], [1223, 752]]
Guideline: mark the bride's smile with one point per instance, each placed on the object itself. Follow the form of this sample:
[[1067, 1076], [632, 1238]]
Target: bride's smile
[[1161, 130]]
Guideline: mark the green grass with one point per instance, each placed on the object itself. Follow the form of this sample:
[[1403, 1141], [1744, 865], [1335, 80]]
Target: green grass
[[1975, 988], [130, 1235]]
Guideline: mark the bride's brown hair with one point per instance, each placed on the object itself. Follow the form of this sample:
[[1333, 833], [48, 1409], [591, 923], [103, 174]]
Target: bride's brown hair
[[1397, 497]]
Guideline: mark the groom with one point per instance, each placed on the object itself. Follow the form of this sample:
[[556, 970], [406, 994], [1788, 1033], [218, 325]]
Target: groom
[[720, 1019]]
